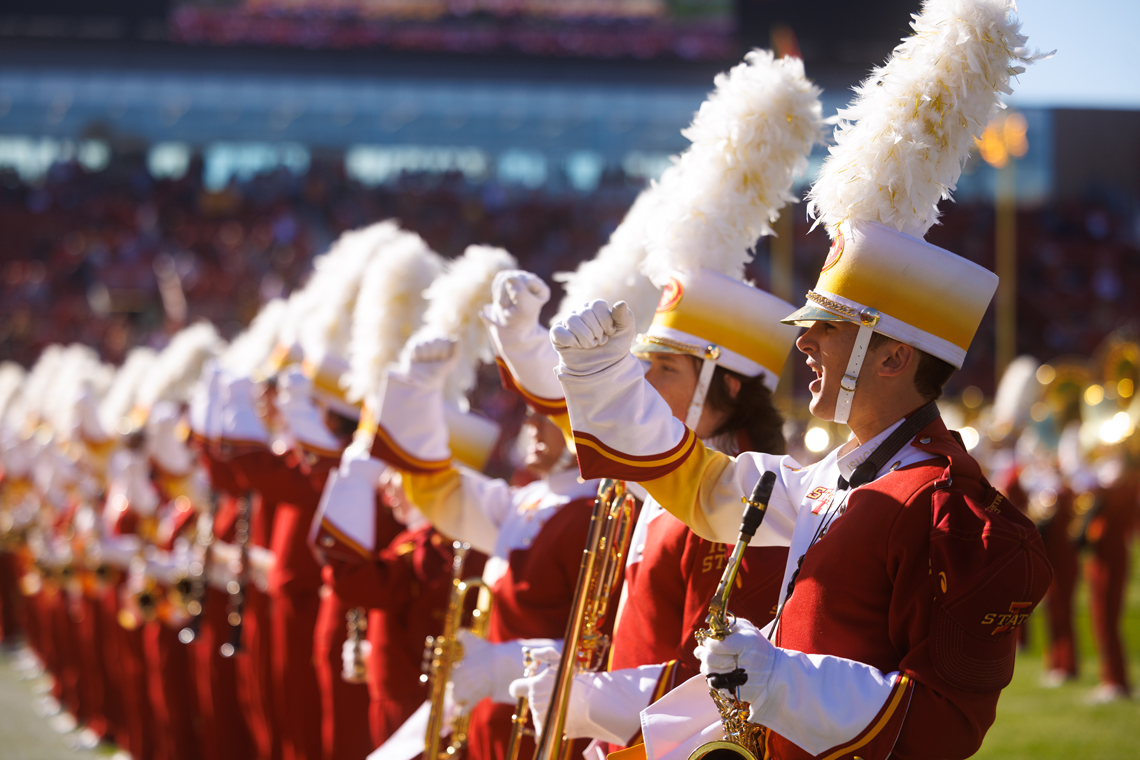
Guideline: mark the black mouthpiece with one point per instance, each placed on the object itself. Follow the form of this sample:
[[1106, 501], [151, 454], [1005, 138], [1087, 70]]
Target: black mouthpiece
[[757, 504]]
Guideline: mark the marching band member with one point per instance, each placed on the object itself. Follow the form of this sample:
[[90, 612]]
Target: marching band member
[[226, 426], [534, 535], [907, 571], [715, 351], [1111, 503], [389, 307], [315, 427]]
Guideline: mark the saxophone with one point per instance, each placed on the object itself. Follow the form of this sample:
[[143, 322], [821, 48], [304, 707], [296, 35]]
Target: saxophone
[[190, 590], [603, 562], [356, 668], [742, 740], [236, 588], [443, 651]]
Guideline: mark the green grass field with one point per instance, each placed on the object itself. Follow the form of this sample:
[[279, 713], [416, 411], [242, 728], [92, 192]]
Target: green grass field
[[1034, 723]]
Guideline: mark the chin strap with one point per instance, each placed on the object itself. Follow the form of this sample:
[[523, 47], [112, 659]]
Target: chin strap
[[697, 405], [868, 319]]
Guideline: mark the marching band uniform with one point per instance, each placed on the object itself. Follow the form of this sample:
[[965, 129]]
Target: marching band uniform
[[345, 733], [292, 484], [406, 587], [907, 572], [750, 139], [1109, 533], [884, 637], [131, 501], [534, 536], [671, 572]]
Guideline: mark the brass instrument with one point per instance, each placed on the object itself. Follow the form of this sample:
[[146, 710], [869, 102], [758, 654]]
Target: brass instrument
[[141, 605], [443, 651], [236, 588], [357, 626], [742, 740], [191, 588], [603, 562]]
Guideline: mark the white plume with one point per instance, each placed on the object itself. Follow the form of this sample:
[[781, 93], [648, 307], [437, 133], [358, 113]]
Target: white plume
[[326, 328], [37, 385], [79, 368], [389, 308], [455, 300], [614, 274], [174, 374], [250, 350], [120, 398], [902, 143], [750, 140], [11, 380]]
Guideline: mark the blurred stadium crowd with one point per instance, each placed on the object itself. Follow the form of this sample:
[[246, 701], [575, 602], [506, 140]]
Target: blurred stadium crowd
[[116, 258]]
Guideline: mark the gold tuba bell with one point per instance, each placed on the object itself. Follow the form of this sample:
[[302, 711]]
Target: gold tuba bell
[[742, 740], [603, 562], [443, 651]]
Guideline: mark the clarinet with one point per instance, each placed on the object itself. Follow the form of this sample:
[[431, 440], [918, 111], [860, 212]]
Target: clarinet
[[236, 587], [196, 601]]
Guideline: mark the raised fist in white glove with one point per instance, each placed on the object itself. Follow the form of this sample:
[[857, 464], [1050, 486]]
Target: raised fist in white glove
[[605, 706], [429, 361], [593, 338], [745, 648], [517, 298]]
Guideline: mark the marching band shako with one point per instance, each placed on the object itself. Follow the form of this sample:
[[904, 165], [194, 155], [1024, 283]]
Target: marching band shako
[[892, 283]]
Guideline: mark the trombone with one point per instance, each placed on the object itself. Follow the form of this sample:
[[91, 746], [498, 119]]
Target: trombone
[[443, 651], [742, 740], [603, 562]]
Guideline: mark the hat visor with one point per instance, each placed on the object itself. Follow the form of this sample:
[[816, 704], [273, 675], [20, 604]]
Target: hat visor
[[810, 313], [643, 348]]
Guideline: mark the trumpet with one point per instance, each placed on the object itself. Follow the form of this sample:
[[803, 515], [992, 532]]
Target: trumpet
[[443, 651], [603, 562], [742, 740]]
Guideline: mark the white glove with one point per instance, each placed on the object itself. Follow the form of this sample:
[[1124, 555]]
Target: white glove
[[605, 706], [487, 670], [361, 466], [240, 421], [205, 400], [517, 299], [296, 405], [593, 338], [747, 648], [429, 361]]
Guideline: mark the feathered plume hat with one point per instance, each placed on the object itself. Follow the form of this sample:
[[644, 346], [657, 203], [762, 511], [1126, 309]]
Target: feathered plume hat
[[177, 368], [117, 404], [614, 274], [325, 331], [750, 140], [389, 308], [455, 300], [900, 148], [248, 354]]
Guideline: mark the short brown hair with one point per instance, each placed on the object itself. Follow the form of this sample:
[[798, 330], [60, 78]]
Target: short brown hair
[[931, 374]]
